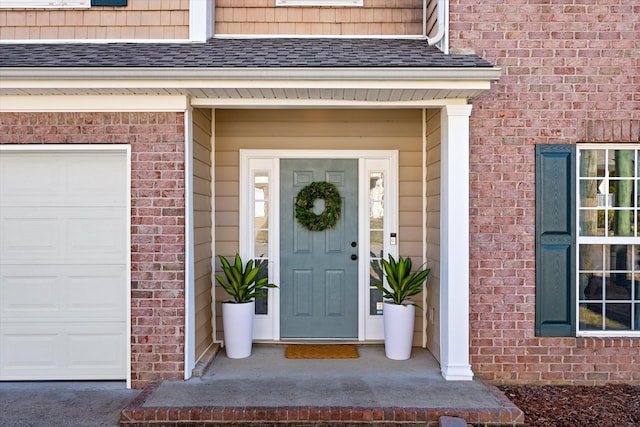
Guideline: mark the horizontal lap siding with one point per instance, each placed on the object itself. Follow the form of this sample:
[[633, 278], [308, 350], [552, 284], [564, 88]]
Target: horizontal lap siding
[[433, 232], [373, 18], [140, 19], [157, 221], [202, 170], [319, 130], [569, 74]]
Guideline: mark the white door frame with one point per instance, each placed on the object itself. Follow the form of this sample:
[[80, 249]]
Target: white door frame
[[267, 327]]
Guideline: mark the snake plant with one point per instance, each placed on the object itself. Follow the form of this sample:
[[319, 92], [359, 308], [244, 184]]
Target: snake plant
[[242, 282], [402, 283]]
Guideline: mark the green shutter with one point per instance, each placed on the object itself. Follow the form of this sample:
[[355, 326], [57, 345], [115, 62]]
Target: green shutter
[[108, 2], [555, 240]]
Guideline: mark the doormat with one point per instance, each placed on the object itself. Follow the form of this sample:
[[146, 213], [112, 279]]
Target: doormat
[[321, 351]]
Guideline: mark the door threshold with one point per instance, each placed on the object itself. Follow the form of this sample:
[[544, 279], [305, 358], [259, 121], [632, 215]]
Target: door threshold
[[287, 341]]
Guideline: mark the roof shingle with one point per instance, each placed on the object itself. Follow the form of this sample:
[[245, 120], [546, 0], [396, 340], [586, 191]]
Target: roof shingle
[[239, 53]]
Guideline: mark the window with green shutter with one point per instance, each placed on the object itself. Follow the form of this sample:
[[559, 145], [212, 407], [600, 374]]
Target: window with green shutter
[[588, 240]]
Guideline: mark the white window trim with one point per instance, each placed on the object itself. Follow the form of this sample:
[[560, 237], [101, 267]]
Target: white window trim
[[267, 327], [45, 4], [604, 240], [319, 3]]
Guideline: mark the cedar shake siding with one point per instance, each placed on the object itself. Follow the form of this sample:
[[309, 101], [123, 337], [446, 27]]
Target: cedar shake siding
[[140, 19], [374, 18]]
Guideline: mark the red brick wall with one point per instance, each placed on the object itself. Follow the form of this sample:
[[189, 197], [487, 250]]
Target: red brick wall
[[570, 69], [157, 222]]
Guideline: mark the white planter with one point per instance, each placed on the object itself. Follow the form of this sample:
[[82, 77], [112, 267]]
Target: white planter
[[398, 330], [237, 322]]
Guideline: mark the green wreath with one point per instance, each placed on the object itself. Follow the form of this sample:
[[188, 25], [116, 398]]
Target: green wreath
[[332, 205]]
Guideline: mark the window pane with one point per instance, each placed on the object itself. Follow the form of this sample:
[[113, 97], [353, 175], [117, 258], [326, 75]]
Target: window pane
[[590, 194], [262, 302], [591, 257], [376, 200], [375, 296], [618, 287], [590, 317], [592, 222], [375, 304], [592, 163], [261, 248], [618, 316], [377, 245], [593, 287], [618, 257]]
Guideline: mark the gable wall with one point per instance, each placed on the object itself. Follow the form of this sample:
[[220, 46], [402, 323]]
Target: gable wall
[[569, 73], [140, 19], [157, 221], [395, 17]]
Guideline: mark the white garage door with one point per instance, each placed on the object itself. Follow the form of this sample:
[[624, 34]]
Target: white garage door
[[63, 264]]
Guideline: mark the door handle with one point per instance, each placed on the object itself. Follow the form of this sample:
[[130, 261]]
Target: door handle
[[354, 257]]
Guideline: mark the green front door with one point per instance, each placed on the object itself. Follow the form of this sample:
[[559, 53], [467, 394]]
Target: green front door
[[319, 269]]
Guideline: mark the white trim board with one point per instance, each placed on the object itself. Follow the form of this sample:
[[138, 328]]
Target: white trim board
[[93, 103]]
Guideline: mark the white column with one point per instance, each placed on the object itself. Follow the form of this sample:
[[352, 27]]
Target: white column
[[454, 239], [201, 14], [189, 270]]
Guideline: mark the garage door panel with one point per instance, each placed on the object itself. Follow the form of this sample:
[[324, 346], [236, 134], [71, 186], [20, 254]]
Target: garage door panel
[[28, 293], [62, 351], [29, 235], [96, 235], [63, 179], [62, 293], [27, 179], [96, 293], [95, 183], [63, 235]]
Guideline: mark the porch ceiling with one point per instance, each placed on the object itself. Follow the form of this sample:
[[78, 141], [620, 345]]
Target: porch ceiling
[[250, 71]]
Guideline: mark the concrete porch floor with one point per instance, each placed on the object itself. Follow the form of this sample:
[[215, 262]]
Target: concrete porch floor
[[268, 389]]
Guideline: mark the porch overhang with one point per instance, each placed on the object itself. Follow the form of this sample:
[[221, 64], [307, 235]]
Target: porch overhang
[[238, 87]]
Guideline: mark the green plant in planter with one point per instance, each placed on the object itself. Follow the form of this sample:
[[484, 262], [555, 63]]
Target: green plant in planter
[[403, 283], [241, 281]]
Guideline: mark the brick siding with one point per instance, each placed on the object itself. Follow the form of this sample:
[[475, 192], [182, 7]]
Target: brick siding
[[157, 221], [571, 73]]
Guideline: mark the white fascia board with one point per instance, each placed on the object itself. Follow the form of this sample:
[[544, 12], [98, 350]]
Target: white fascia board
[[320, 103], [246, 84], [121, 75], [94, 103]]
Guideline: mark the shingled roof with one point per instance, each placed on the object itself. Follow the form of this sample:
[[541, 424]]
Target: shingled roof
[[239, 53]]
